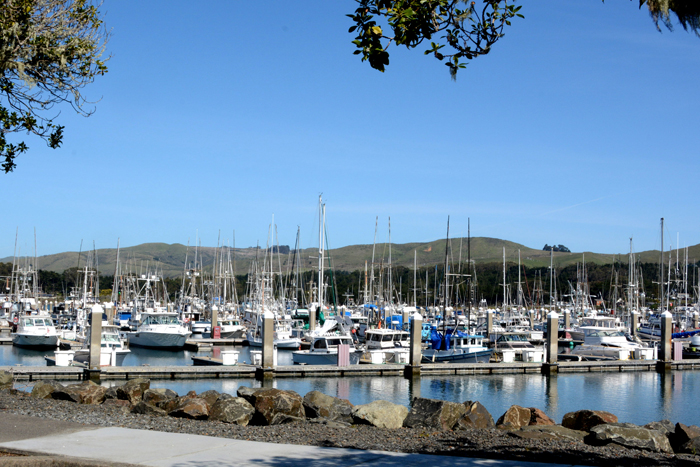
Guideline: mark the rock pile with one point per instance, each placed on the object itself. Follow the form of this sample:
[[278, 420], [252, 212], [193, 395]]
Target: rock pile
[[274, 407]]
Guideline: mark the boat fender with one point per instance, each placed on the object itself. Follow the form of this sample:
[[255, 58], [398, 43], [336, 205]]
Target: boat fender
[[16, 320]]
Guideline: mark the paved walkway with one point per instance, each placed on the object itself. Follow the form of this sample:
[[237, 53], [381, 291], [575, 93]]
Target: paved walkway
[[142, 447]]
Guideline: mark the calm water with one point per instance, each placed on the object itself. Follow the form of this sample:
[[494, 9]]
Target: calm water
[[638, 397]]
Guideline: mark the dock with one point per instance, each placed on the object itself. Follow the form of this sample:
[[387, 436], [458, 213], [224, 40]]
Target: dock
[[199, 344], [245, 371]]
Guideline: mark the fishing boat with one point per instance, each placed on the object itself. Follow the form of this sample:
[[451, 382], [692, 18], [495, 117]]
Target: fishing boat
[[386, 346], [324, 351], [35, 332], [231, 328], [456, 347], [112, 348], [601, 343], [159, 330]]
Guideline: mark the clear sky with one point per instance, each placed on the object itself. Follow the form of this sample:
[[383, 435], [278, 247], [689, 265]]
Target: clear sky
[[581, 128]]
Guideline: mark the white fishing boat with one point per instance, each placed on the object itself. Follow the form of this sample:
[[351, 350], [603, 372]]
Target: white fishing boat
[[283, 338], [386, 346], [231, 328], [324, 351], [36, 332], [461, 348], [607, 343], [159, 330]]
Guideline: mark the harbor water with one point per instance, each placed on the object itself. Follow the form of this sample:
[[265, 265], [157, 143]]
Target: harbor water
[[636, 397]]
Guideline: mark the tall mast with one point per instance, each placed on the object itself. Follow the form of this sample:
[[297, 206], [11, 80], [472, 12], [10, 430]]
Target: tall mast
[[415, 257], [391, 298], [321, 220], [661, 282]]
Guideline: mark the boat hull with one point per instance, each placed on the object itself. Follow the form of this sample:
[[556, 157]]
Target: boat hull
[[158, 340], [83, 356], [456, 356], [307, 357], [40, 342]]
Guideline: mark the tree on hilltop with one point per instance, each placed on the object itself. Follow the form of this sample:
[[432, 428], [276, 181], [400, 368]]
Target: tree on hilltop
[[49, 51]]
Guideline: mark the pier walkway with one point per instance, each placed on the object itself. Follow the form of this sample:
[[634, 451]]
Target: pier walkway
[[245, 371], [59, 443]]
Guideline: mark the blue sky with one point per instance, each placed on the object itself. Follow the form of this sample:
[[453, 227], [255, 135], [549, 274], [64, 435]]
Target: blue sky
[[580, 128]]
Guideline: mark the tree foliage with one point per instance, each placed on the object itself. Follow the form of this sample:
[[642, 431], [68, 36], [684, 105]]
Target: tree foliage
[[459, 30], [49, 51], [456, 29]]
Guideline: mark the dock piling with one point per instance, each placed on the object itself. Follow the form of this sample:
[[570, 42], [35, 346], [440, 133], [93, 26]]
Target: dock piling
[[414, 359], [665, 354], [95, 337]]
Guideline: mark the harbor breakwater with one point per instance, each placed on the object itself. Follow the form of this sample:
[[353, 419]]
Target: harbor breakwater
[[429, 426]]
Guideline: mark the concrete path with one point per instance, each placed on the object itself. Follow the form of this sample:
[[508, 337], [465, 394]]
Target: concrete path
[[143, 447]]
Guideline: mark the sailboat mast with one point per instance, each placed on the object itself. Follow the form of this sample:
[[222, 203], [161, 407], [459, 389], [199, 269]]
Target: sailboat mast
[[661, 282]]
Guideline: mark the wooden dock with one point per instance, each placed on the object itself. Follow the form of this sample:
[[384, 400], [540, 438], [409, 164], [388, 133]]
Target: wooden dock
[[31, 373]]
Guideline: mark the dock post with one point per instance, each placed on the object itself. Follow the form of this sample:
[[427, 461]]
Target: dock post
[[414, 358], [695, 320], [634, 325], [531, 315], [214, 319], [489, 324], [95, 342], [266, 371], [567, 320], [312, 319], [665, 356], [404, 319], [552, 346]]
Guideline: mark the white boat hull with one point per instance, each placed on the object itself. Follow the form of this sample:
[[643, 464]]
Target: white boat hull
[[308, 357], [158, 340], [45, 341]]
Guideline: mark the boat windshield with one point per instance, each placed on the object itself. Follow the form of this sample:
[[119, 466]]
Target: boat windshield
[[161, 319], [603, 333]]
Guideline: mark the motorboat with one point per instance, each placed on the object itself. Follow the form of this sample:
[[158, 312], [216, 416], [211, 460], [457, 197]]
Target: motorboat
[[283, 338], [601, 343], [515, 346], [231, 328], [456, 347], [607, 322], [386, 346], [324, 351], [35, 332], [159, 330], [112, 348]]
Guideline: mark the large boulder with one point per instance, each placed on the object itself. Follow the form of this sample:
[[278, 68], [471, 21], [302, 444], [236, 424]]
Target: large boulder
[[476, 416], [144, 408], [381, 414], [86, 392], [112, 393], [682, 434], [210, 396], [133, 390], [275, 407], [320, 405], [584, 420], [434, 414], [629, 436], [171, 404], [194, 408], [124, 406], [6, 380], [515, 417], [690, 447], [248, 393], [44, 389], [664, 426], [235, 410], [549, 432], [154, 396], [539, 418]]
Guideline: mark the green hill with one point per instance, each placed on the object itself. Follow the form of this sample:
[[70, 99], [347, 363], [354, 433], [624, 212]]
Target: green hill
[[170, 259]]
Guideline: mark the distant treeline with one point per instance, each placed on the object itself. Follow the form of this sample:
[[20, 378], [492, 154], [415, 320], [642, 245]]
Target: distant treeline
[[488, 281]]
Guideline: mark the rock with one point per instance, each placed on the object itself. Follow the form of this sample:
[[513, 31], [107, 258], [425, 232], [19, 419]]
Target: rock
[[476, 416], [381, 414], [629, 436], [664, 426], [319, 405], [682, 434], [514, 418], [84, 393], [434, 414], [224, 396], [690, 447], [112, 393], [248, 393], [275, 407], [210, 396], [144, 408], [154, 396], [539, 418], [44, 389], [118, 403], [549, 432], [194, 408], [6, 380], [133, 390], [93, 394], [234, 410], [171, 404], [329, 423], [584, 420]]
